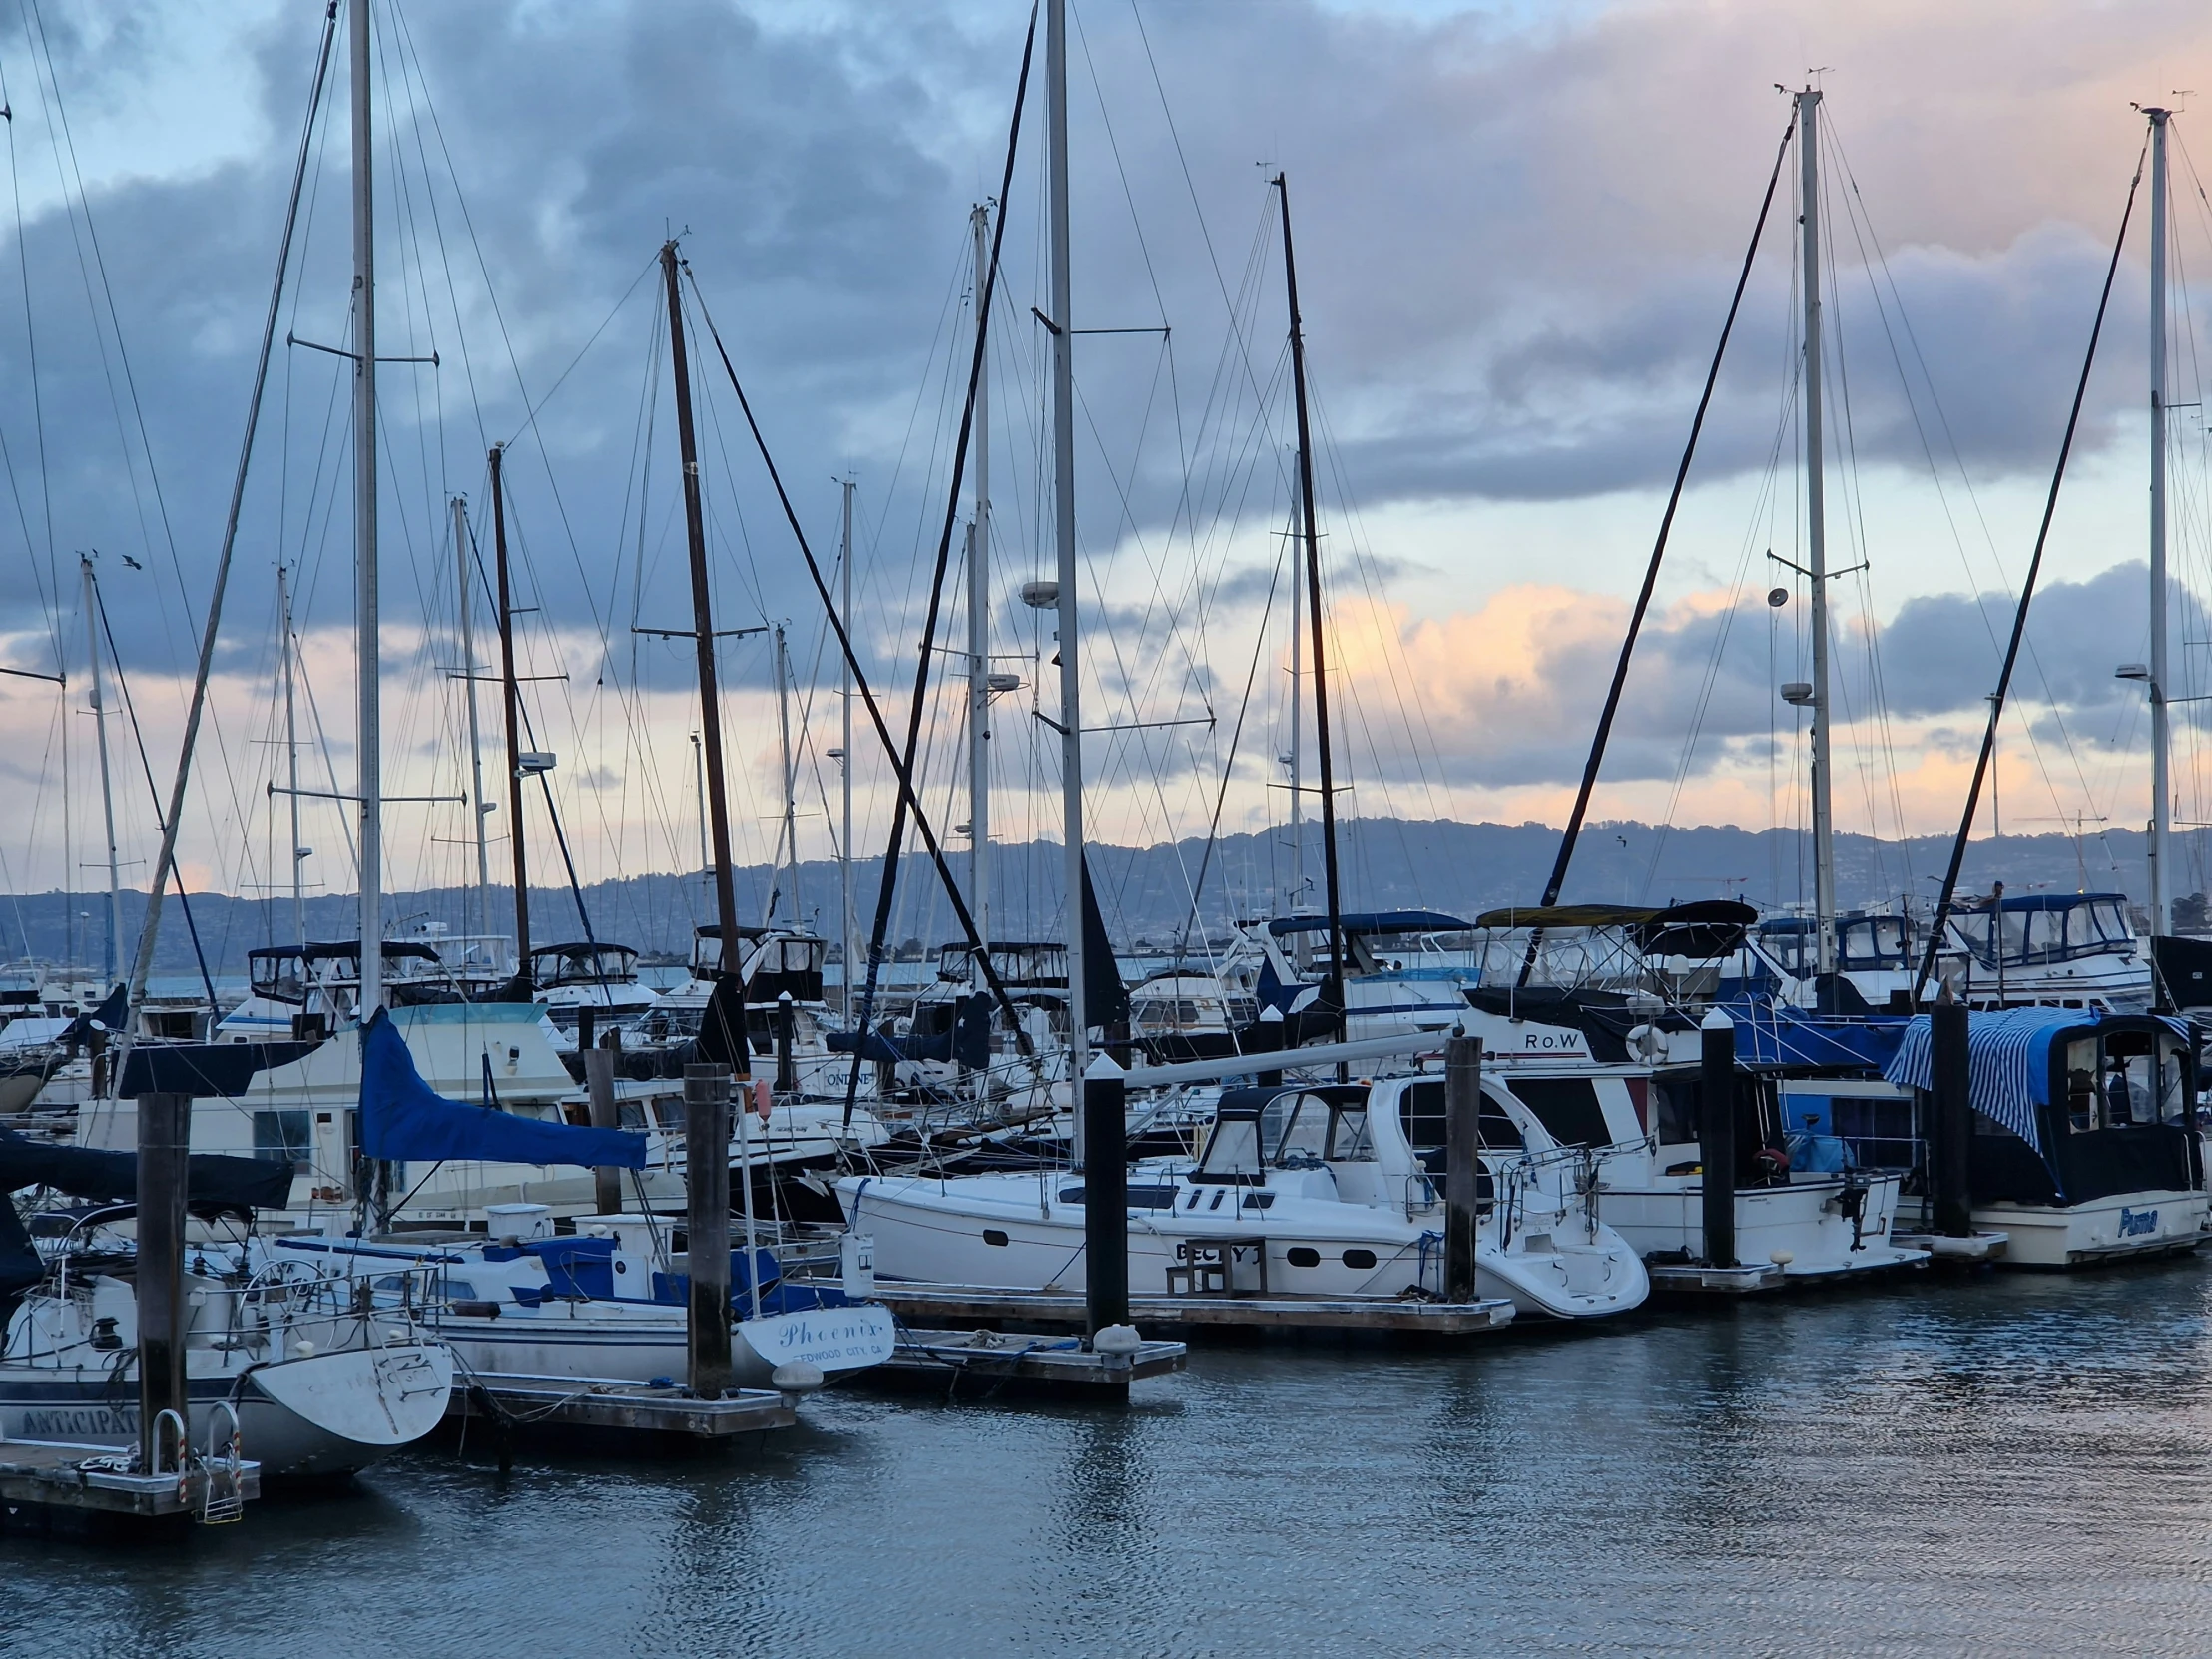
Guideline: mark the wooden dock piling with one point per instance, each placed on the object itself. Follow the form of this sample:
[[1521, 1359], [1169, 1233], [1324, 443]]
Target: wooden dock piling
[[1462, 1163], [707, 1179], [1716, 1133]]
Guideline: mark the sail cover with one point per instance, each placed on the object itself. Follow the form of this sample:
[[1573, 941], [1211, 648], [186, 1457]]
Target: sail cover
[[402, 1117]]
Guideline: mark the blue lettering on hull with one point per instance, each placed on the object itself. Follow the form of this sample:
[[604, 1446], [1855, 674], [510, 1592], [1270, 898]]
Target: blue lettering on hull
[[2135, 1223]]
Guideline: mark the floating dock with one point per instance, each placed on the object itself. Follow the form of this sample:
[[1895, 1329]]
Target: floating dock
[[1058, 1309], [1020, 1360], [1973, 1249], [1697, 1279], [513, 1403], [51, 1480]]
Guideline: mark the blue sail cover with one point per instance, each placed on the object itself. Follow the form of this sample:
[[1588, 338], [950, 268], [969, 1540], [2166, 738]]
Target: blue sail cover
[[2007, 1063], [403, 1118], [1771, 1036]]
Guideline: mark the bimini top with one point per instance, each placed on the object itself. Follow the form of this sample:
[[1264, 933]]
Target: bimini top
[[2042, 902], [2008, 1069], [1371, 921], [395, 950], [1704, 927]]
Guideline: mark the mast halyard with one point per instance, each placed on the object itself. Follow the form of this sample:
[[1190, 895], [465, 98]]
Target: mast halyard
[[2161, 739], [1063, 518], [478, 806], [1312, 532], [791, 775], [292, 760], [1816, 536], [368, 739], [979, 624], [710, 698], [510, 692], [114, 944]]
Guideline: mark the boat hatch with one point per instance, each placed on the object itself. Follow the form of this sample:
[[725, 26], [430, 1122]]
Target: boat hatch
[[1138, 1198]]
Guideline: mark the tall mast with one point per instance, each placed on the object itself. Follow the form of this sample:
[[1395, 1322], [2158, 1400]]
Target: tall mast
[[1816, 534], [369, 728], [791, 776], [702, 626], [510, 692], [979, 621], [844, 759], [1063, 518], [1297, 894], [478, 808], [1313, 599], [2161, 790], [292, 761], [107, 792]]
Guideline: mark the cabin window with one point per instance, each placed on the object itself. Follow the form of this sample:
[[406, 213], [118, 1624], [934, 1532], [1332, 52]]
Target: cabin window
[[992, 1236], [630, 1115], [1420, 1112], [1360, 1259], [1567, 1108], [285, 1137], [1301, 1256], [1674, 1110]]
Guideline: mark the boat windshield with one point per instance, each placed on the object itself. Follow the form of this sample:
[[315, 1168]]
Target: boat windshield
[[2137, 1079], [1870, 942], [1233, 1151]]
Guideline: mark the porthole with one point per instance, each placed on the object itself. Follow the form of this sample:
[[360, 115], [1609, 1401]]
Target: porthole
[[992, 1236], [1361, 1259], [1300, 1256]]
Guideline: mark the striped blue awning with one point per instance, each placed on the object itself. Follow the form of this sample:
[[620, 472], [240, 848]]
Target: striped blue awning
[[2007, 1063]]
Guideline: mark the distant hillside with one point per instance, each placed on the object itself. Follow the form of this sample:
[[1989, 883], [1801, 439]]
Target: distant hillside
[[1146, 892]]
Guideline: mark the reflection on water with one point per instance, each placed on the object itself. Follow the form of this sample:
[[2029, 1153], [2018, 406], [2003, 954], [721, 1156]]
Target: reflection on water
[[2013, 1464]]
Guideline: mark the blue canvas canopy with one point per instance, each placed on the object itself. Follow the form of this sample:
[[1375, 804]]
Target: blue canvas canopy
[[2007, 1063], [402, 1117], [1371, 921]]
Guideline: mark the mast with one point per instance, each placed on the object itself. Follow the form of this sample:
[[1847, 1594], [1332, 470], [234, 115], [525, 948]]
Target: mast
[[477, 804], [292, 761], [369, 739], [1297, 647], [1815, 535], [979, 622], [703, 630], [2161, 790], [845, 760], [107, 792], [1313, 600], [1063, 520], [510, 692], [790, 777]]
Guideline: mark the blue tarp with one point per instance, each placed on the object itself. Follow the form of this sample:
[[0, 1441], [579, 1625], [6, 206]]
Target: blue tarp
[[403, 1118]]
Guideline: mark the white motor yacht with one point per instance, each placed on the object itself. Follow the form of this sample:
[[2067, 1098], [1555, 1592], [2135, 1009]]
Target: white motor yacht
[[1303, 1188], [1814, 1224]]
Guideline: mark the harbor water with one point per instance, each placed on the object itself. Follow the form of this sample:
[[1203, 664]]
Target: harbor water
[[2010, 1463]]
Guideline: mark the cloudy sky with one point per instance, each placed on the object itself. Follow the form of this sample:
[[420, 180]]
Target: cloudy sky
[[1516, 228]]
